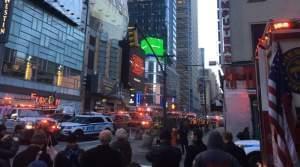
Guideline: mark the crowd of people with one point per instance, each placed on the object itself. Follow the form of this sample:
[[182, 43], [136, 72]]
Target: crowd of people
[[219, 151]]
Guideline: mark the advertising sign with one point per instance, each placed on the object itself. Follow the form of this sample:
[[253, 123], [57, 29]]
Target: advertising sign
[[137, 69], [5, 8], [156, 44], [227, 53]]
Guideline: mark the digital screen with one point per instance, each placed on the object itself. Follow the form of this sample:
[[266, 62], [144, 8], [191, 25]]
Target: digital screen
[[72, 9], [156, 44]]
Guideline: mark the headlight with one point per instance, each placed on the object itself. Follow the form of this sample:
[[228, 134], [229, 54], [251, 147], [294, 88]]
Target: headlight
[[29, 125]]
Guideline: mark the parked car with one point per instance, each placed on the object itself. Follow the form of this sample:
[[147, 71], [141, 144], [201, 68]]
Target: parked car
[[252, 150], [82, 125], [60, 117]]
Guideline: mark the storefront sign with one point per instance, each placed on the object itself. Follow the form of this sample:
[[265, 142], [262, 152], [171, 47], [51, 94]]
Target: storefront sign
[[227, 53], [292, 64], [40, 100], [4, 18]]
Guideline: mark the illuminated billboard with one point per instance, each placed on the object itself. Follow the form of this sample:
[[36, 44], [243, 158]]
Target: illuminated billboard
[[72, 9], [156, 44]]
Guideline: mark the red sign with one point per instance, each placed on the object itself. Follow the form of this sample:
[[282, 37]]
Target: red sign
[[227, 53], [242, 76], [137, 65]]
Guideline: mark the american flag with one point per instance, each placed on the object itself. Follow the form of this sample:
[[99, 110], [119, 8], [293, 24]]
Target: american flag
[[280, 114]]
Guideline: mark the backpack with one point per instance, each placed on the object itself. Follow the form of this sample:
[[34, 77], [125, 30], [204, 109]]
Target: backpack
[[37, 162]]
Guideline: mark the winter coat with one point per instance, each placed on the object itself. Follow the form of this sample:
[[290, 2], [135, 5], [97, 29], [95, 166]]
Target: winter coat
[[123, 146], [24, 158], [214, 155], [236, 152], [183, 136], [69, 157], [164, 155], [191, 153], [8, 150], [101, 156]]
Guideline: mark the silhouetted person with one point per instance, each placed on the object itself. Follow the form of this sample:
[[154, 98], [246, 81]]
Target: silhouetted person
[[183, 136], [36, 153], [214, 156], [233, 149], [102, 155], [164, 155], [71, 155], [8, 147], [197, 147], [244, 135], [123, 146]]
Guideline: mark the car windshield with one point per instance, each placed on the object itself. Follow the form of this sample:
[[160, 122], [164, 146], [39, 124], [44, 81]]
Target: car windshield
[[29, 113], [81, 120]]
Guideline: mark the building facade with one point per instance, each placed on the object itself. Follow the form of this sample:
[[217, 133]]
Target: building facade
[[239, 31], [108, 22], [41, 50], [187, 55], [156, 18]]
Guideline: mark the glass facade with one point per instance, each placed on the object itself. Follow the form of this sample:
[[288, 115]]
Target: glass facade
[[42, 52], [23, 66]]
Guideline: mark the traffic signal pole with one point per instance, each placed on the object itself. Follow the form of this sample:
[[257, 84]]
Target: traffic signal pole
[[164, 72]]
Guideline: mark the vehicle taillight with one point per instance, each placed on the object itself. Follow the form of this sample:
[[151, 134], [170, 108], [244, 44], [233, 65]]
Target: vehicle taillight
[[281, 25]]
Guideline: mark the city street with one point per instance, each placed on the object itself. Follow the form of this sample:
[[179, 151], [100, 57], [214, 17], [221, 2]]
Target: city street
[[138, 151]]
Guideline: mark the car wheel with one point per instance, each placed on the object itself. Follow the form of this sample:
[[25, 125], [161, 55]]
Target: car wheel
[[254, 158], [79, 134]]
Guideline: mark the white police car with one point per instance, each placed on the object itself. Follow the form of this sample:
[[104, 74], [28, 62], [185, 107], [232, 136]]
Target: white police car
[[252, 150], [82, 125]]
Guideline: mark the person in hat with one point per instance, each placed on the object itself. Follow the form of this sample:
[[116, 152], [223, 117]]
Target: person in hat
[[36, 153]]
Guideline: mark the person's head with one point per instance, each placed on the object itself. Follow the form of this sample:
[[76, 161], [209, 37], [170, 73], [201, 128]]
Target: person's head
[[105, 137], [165, 136], [71, 139], [227, 137], [2, 129], [215, 141], [121, 134], [197, 136], [246, 129], [39, 138]]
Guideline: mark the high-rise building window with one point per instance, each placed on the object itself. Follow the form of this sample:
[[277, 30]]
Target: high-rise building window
[[250, 1]]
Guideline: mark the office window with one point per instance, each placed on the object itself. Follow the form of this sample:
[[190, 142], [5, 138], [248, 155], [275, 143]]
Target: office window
[[250, 1]]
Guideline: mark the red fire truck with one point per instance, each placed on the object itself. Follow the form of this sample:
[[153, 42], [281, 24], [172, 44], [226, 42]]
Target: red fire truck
[[284, 35]]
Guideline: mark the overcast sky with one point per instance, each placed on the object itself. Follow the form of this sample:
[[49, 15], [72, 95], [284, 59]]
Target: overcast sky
[[208, 30]]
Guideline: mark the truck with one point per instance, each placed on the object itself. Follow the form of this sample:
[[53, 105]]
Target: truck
[[281, 37], [278, 33]]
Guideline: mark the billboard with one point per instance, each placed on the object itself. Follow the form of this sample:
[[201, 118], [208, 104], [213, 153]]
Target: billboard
[[137, 69], [72, 9], [156, 44]]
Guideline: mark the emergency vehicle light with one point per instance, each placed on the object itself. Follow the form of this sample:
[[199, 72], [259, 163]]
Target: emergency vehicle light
[[281, 25]]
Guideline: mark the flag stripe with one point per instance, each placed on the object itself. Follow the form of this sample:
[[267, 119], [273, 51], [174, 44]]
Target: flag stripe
[[280, 114]]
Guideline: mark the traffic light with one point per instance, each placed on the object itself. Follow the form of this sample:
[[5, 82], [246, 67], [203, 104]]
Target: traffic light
[[133, 37]]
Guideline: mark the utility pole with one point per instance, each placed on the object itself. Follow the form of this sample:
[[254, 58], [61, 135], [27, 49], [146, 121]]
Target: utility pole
[[85, 59], [164, 72]]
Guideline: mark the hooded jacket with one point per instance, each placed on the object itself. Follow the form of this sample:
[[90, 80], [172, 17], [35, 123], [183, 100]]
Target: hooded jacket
[[214, 155]]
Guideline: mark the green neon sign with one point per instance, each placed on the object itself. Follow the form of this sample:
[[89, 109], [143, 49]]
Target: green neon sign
[[157, 45]]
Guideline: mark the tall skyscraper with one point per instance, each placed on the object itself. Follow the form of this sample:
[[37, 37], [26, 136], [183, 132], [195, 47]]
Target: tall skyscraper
[[187, 54], [156, 18]]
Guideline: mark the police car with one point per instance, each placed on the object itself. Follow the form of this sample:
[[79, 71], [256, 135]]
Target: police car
[[82, 125], [252, 150]]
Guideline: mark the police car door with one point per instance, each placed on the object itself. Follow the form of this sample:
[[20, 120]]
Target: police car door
[[98, 123]]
